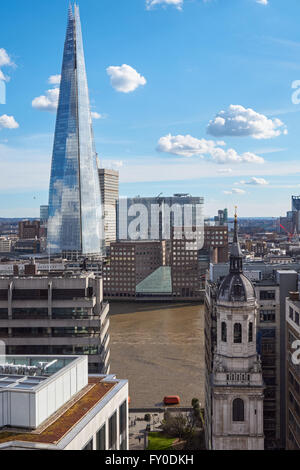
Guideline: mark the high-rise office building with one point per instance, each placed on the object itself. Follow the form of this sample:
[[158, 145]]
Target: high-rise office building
[[44, 211], [75, 214], [222, 217], [295, 203], [109, 187]]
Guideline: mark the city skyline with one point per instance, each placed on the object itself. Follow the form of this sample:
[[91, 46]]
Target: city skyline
[[167, 108]]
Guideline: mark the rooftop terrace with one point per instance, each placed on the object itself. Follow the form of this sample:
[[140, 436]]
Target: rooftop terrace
[[56, 427]]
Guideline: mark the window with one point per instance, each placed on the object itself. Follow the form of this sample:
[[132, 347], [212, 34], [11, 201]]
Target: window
[[123, 417], [237, 333], [250, 332], [27, 313], [238, 412], [3, 294], [224, 332], [69, 294], [113, 432], [123, 425], [30, 294], [3, 313], [267, 294], [100, 439], [267, 315]]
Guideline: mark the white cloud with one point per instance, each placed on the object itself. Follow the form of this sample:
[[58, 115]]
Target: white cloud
[[231, 156], [125, 78], [262, 2], [4, 58], [96, 115], [8, 122], [47, 102], [5, 61], [255, 181], [176, 3], [235, 191], [54, 79], [188, 146], [239, 122], [185, 145]]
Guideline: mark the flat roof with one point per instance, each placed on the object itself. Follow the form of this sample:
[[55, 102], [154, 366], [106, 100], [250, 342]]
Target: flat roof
[[57, 426], [30, 372]]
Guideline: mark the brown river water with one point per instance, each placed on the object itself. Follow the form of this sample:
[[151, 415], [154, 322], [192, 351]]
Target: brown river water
[[159, 348]]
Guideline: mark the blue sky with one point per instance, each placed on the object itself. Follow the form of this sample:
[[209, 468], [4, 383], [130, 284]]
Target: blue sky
[[230, 63]]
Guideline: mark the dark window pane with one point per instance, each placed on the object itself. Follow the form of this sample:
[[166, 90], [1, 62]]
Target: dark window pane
[[250, 335], [100, 439], [238, 410], [113, 432], [224, 332], [237, 333]]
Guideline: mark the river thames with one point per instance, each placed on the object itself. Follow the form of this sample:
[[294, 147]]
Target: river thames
[[159, 348]]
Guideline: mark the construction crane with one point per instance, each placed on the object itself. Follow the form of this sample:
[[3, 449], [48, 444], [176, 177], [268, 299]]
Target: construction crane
[[290, 235]]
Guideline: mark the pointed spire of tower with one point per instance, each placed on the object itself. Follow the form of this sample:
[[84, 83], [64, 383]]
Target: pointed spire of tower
[[236, 255], [235, 236]]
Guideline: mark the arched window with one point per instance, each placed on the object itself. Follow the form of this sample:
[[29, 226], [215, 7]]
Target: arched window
[[237, 333], [224, 332], [250, 332], [238, 412]]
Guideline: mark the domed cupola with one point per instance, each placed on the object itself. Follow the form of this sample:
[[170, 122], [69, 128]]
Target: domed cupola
[[236, 287]]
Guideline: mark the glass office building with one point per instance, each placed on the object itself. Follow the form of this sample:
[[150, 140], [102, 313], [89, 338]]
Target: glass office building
[[75, 215]]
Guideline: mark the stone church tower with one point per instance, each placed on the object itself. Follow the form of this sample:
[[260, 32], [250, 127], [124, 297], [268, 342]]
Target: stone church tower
[[237, 384]]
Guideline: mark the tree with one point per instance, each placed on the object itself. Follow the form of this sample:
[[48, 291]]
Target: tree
[[175, 426]]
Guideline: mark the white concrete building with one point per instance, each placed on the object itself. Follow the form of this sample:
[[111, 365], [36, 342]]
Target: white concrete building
[[51, 403], [237, 384]]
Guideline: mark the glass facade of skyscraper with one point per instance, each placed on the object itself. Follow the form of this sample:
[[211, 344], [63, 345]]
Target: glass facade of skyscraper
[[75, 214]]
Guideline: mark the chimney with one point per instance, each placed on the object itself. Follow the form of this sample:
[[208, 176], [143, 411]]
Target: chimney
[[30, 269], [294, 296]]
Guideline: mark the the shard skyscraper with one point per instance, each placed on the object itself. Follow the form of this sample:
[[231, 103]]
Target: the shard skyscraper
[[75, 223]]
